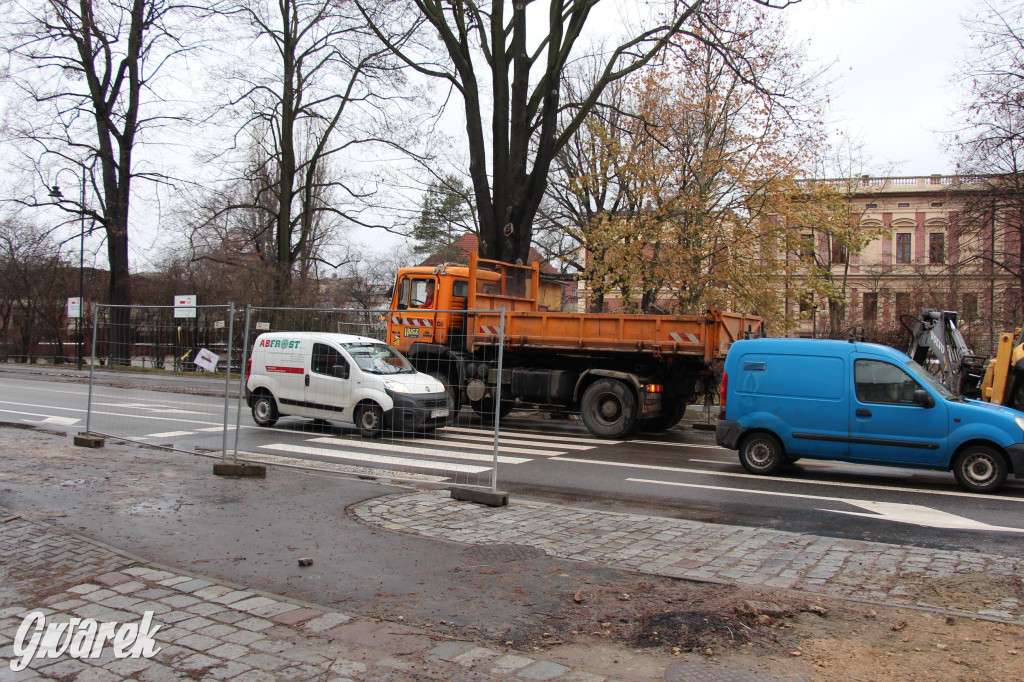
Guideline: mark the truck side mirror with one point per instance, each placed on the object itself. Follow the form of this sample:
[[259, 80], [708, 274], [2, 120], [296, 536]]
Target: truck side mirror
[[339, 371], [923, 398]]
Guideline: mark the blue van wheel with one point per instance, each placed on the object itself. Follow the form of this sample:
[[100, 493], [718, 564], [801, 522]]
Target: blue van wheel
[[980, 469], [761, 453]]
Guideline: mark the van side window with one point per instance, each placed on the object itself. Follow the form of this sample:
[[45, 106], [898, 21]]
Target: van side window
[[880, 382], [460, 288], [324, 358]]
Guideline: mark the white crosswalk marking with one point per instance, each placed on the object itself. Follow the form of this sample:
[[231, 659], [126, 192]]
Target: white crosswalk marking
[[168, 434], [505, 440], [433, 465], [533, 436], [417, 450]]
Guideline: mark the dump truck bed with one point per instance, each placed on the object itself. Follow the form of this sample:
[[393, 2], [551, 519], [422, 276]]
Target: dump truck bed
[[707, 336]]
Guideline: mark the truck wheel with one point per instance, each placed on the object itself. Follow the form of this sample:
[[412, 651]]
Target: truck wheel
[[761, 453], [453, 395], [609, 409], [980, 469], [370, 420], [264, 409]]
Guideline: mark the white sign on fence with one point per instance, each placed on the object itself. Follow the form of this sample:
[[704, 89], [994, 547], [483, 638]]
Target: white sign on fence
[[207, 360], [185, 306], [262, 326], [74, 307]]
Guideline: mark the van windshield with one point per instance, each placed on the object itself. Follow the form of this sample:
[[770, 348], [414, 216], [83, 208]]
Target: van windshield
[[378, 358], [926, 377]]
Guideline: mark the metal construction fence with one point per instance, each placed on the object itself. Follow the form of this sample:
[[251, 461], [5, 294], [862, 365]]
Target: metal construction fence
[[165, 377], [422, 434], [181, 383]]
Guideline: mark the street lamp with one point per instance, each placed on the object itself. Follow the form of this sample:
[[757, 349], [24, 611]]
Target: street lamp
[[56, 194]]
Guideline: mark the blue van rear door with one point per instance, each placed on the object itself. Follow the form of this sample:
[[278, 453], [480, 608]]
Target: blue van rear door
[[802, 398], [885, 424]]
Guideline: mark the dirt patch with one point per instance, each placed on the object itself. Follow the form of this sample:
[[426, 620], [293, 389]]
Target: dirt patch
[[819, 639]]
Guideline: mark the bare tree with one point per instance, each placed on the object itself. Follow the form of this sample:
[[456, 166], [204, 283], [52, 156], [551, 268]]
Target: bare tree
[[989, 229], [34, 282], [88, 71], [500, 56], [315, 88]]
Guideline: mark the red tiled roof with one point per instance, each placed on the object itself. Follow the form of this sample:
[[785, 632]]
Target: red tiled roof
[[459, 250]]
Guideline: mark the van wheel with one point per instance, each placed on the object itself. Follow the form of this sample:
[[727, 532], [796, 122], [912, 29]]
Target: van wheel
[[761, 453], [370, 420], [264, 410], [609, 409], [980, 469]]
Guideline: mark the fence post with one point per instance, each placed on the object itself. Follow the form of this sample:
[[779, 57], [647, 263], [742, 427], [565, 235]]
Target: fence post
[[497, 402], [92, 364], [227, 383], [241, 380]]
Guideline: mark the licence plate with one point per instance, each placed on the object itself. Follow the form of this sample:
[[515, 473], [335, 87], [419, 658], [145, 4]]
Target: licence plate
[[438, 413]]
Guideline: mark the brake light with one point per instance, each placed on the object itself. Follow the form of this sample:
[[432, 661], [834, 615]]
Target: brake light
[[652, 388], [722, 394], [248, 368]]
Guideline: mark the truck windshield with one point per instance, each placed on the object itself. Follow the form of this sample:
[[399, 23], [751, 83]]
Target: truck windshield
[[378, 358], [926, 377]]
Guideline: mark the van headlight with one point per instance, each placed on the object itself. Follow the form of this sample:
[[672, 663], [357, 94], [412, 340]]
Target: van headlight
[[1020, 422], [395, 387]]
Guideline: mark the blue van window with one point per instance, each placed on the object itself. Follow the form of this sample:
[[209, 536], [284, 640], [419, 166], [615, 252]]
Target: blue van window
[[880, 382]]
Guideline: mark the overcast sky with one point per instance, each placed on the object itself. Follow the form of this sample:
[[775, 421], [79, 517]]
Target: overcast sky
[[894, 62]]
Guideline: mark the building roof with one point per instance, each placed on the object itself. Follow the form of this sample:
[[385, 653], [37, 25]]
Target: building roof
[[459, 250]]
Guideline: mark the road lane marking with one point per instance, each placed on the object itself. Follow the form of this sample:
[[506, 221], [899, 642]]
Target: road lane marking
[[58, 421], [437, 452], [682, 445], [883, 511], [755, 477], [376, 459], [95, 412], [168, 434]]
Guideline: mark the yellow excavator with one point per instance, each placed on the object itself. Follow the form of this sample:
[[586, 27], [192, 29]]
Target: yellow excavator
[[1003, 383], [937, 344]]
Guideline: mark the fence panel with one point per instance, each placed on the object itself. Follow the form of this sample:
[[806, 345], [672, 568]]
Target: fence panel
[[163, 380], [318, 395]]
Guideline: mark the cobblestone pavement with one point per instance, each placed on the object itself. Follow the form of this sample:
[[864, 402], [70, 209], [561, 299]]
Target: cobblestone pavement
[[213, 631], [895, 575]]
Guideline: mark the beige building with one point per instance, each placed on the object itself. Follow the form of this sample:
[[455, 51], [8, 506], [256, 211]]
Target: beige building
[[924, 252]]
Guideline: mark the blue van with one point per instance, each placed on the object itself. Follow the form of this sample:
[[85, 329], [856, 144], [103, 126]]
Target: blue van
[[783, 399]]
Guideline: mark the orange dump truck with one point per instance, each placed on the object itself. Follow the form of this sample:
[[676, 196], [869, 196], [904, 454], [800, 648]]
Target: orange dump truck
[[622, 373]]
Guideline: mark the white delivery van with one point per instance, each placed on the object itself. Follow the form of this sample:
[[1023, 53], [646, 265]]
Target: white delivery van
[[341, 377]]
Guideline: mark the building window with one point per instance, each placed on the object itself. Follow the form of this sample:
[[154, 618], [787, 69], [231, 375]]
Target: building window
[[936, 204], [903, 253], [904, 304], [870, 306], [903, 205], [872, 206], [840, 254], [807, 246], [937, 247], [969, 308]]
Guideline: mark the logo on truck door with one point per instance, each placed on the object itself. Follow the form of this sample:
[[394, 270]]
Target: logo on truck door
[[412, 332]]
